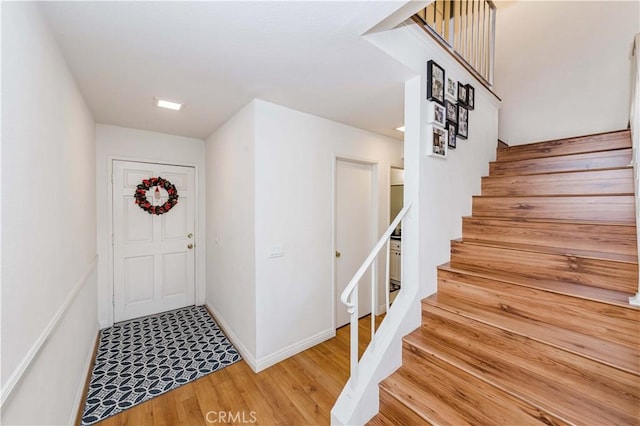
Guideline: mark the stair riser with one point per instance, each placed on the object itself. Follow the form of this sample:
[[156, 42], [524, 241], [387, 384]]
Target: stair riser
[[600, 209], [398, 413], [603, 238], [603, 273], [612, 140], [568, 163], [617, 181], [610, 323], [616, 356], [444, 392], [554, 380]]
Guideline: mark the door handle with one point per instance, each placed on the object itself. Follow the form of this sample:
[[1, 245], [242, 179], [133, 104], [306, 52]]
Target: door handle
[[338, 254], [189, 246]]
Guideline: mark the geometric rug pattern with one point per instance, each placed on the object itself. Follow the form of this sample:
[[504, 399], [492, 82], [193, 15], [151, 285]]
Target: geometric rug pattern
[[146, 357]]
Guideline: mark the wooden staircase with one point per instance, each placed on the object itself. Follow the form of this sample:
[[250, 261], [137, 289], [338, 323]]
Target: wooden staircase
[[531, 323]]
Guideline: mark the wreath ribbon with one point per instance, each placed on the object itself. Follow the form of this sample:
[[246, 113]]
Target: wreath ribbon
[[141, 195]]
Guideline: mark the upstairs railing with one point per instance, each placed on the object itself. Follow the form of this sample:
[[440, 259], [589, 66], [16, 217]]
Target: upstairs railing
[[467, 29], [634, 123], [349, 296]]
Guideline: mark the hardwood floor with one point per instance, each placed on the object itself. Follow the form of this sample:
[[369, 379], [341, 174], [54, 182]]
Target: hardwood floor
[[298, 391]]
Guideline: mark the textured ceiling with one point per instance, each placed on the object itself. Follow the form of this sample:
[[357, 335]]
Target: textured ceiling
[[217, 56]]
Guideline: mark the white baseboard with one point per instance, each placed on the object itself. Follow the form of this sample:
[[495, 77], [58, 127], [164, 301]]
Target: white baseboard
[[80, 393], [104, 324], [27, 361], [246, 355], [291, 350], [268, 361]]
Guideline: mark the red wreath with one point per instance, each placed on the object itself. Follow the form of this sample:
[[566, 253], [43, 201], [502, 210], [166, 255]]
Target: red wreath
[[141, 195]]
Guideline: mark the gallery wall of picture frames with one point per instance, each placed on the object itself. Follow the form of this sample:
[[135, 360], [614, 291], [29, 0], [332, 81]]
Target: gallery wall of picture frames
[[448, 110]]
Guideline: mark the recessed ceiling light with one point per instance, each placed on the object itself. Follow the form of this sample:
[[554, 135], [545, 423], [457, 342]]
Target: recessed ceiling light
[[400, 129], [168, 104]]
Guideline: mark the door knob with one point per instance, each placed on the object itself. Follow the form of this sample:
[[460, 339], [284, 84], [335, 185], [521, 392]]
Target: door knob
[[338, 254], [189, 246]]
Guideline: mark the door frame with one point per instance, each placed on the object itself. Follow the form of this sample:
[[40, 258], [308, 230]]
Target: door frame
[[199, 254], [375, 220]]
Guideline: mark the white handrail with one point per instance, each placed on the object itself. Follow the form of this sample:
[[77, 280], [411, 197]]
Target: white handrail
[[634, 123], [352, 290]]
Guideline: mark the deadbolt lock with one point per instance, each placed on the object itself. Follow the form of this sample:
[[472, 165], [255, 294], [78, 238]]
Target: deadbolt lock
[[338, 254], [189, 235]]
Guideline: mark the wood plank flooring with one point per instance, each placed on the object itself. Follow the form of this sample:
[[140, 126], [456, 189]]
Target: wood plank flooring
[[298, 391]]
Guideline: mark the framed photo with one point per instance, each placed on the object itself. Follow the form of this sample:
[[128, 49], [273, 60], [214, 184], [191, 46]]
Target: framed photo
[[452, 130], [438, 138], [463, 122], [437, 114], [451, 90], [462, 94], [471, 97], [435, 82], [452, 111]]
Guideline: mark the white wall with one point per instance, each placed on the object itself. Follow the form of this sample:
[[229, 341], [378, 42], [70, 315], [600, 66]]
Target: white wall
[[295, 155], [121, 143], [49, 319], [563, 68], [270, 180], [440, 191], [231, 291]]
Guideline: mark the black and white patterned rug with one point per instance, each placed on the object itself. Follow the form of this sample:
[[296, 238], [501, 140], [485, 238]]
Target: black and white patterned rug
[[143, 358]]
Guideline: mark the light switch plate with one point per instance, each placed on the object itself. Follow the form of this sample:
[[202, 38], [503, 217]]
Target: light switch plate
[[276, 251]]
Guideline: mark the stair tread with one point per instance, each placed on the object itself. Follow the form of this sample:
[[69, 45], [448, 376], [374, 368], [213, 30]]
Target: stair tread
[[551, 220], [576, 389], [442, 394], [564, 235], [380, 420], [617, 356], [559, 172], [542, 149], [394, 412], [604, 181], [570, 196], [616, 257], [599, 160], [603, 208], [611, 323], [597, 294], [542, 265]]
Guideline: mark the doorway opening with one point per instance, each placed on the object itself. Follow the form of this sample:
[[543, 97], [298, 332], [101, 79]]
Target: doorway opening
[[355, 228], [396, 200]]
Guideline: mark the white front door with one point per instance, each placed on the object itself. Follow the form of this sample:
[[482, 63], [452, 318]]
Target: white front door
[[153, 255], [354, 232]]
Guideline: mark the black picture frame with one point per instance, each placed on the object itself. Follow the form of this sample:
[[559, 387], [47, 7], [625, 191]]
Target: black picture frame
[[451, 111], [463, 122], [471, 97], [462, 94], [452, 130], [435, 82]]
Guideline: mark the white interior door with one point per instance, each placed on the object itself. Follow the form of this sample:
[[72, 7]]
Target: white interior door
[[354, 232], [153, 256]]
